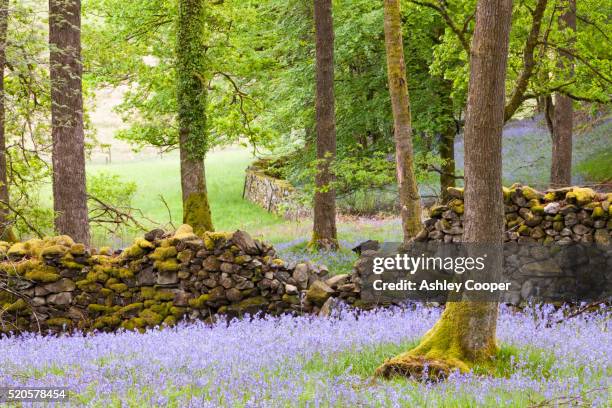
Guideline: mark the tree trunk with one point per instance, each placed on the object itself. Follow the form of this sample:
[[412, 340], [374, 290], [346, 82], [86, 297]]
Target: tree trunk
[[447, 144], [324, 235], [410, 202], [465, 334], [191, 96], [69, 191], [6, 231], [563, 112]]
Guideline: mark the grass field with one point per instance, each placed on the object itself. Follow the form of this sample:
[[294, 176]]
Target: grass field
[[157, 177]]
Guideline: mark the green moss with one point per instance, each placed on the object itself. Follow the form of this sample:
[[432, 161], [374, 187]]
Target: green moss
[[144, 244], [211, 238], [199, 302], [118, 287], [86, 285], [130, 309], [178, 312], [149, 303], [109, 321], [78, 249], [17, 250], [17, 306], [169, 265], [530, 193], [442, 348], [580, 196], [598, 212], [58, 322], [436, 211], [163, 253], [164, 295], [147, 292], [44, 274], [105, 250], [150, 317], [537, 209], [550, 196], [97, 308], [53, 251], [291, 299], [240, 259], [183, 233], [169, 321], [132, 252], [162, 309], [196, 212], [456, 206], [524, 230], [507, 194], [534, 203]]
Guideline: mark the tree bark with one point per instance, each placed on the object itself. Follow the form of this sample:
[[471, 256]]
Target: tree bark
[[465, 334], [324, 235], [410, 201], [69, 191], [191, 96], [563, 112], [6, 231], [447, 144]]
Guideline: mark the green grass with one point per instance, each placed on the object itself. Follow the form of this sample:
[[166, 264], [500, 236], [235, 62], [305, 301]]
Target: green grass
[[597, 167], [225, 178]]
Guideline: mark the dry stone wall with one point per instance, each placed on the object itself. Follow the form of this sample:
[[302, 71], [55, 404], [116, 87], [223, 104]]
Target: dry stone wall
[[55, 284], [58, 285], [557, 242], [273, 194]]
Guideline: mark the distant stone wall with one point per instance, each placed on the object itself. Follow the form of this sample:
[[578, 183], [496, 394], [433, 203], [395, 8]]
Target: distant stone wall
[[273, 194], [55, 284]]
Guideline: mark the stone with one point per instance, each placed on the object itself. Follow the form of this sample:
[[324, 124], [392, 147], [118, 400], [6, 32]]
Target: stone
[[62, 285], [244, 241], [337, 280], [63, 298], [38, 301], [580, 229], [233, 295], [602, 237], [318, 293], [225, 281], [154, 235], [146, 277], [300, 273], [552, 208], [541, 268], [167, 278], [331, 307], [291, 290], [211, 264]]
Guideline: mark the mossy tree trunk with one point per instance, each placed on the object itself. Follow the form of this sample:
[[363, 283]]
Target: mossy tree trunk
[[465, 334], [6, 232], [191, 96], [324, 234], [561, 113], [410, 201], [69, 191]]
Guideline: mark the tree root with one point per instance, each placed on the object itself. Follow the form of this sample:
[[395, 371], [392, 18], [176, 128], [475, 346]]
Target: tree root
[[416, 368]]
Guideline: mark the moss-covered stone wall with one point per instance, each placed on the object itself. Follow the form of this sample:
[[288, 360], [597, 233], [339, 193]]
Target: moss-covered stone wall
[[55, 284], [273, 194]]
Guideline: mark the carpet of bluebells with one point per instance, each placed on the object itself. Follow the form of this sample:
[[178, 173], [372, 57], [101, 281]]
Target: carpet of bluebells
[[315, 362]]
